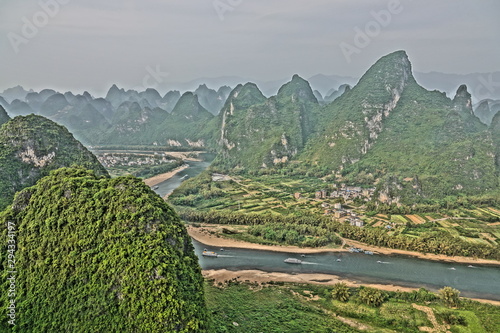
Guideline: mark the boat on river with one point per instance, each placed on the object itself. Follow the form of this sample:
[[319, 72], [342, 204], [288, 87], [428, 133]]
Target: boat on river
[[209, 254], [293, 261]]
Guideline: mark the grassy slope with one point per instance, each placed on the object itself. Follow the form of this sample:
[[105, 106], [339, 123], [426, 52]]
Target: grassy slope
[[310, 308]]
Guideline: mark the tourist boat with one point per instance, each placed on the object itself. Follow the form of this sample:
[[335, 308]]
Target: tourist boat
[[209, 254], [293, 261]]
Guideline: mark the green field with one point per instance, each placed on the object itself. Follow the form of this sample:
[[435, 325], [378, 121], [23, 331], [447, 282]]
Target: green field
[[283, 307]]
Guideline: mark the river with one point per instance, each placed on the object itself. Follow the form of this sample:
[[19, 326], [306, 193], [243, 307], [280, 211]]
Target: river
[[472, 280], [195, 168]]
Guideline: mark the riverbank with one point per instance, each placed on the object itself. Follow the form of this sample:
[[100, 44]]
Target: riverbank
[[164, 176], [210, 235], [223, 275]]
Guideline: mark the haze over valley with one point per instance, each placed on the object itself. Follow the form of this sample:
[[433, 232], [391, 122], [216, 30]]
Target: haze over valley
[[250, 166]]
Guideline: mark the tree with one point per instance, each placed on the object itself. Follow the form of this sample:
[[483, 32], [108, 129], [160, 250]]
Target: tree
[[450, 296], [340, 292], [371, 296]]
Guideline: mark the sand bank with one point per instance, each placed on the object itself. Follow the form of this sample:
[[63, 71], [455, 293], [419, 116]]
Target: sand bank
[[223, 275], [164, 176]]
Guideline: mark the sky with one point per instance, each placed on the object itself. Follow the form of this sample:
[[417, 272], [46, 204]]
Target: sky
[[89, 45]]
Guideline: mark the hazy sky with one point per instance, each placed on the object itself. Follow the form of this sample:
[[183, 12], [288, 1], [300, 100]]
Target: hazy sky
[[88, 45]]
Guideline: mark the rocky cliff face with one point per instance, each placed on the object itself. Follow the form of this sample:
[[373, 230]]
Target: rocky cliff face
[[32, 146], [351, 125], [256, 132]]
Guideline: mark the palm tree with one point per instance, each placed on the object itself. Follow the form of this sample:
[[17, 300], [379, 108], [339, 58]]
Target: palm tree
[[450, 296], [341, 292], [371, 296]]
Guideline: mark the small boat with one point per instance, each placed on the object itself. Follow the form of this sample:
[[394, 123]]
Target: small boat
[[379, 262], [184, 177], [355, 250], [303, 255], [470, 266], [156, 187], [369, 252], [221, 249], [453, 268], [339, 260], [209, 254], [293, 261]]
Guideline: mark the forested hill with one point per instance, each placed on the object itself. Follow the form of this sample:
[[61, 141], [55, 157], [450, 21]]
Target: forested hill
[[95, 254], [32, 146], [255, 132], [412, 142], [387, 131]]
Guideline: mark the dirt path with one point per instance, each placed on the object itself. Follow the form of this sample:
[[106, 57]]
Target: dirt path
[[437, 328]]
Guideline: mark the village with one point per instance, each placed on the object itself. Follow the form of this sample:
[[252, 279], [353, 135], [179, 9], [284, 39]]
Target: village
[[346, 194], [109, 160]]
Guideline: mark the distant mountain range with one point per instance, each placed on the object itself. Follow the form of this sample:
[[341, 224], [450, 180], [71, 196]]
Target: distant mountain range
[[386, 129]]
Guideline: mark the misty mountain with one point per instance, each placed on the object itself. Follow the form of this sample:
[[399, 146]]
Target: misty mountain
[[481, 85], [4, 117], [334, 94], [486, 109], [212, 100], [19, 108], [17, 92]]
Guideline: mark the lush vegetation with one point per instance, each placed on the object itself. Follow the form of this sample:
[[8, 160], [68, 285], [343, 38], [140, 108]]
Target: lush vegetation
[[31, 147], [237, 308], [95, 254], [284, 307]]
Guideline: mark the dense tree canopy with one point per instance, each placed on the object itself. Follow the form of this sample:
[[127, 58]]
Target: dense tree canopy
[[95, 254]]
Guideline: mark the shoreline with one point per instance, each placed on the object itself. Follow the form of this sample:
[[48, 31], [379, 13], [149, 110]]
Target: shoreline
[[222, 275], [164, 176], [203, 236]]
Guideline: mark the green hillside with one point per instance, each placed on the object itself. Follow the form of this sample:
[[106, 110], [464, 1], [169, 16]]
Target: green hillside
[[387, 131], [95, 254], [259, 133], [31, 147]]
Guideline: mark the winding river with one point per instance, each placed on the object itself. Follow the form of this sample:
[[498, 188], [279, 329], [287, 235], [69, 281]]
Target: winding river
[[472, 280]]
